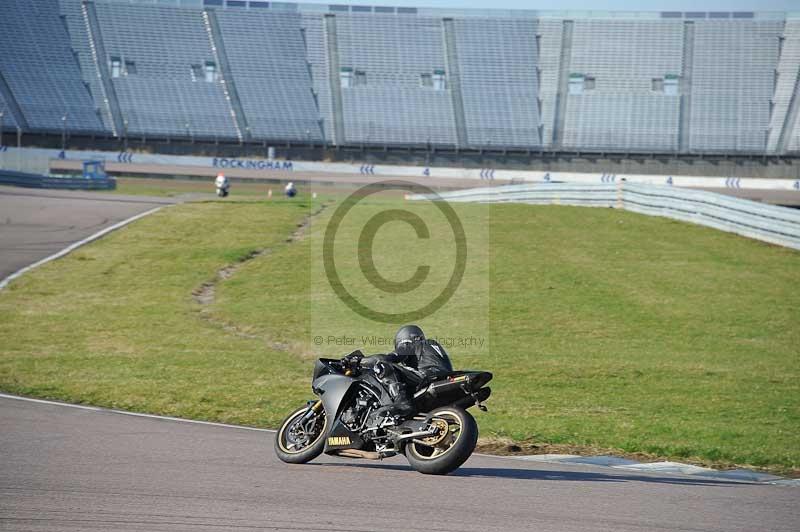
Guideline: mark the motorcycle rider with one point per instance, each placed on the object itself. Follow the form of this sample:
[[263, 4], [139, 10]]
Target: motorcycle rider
[[222, 184], [414, 359]]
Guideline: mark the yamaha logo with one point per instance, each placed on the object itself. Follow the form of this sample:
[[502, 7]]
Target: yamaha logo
[[339, 440]]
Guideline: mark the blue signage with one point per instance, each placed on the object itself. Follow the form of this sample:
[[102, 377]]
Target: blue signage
[[252, 164]]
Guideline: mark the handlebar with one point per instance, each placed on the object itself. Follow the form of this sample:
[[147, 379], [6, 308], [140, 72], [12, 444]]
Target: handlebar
[[352, 362], [349, 364]]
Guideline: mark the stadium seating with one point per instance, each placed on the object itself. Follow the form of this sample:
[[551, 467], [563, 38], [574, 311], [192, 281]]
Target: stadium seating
[[40, 71], [733, 83], [268, 62], [550, 33], [786, 93], [7, 121], [317, 58], [390, 104], [75, 20], [622, 111], [162, 53], [347, 75], [499, 80]]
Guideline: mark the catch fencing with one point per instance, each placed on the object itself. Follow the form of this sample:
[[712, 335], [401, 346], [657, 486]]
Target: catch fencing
[[769, 223]]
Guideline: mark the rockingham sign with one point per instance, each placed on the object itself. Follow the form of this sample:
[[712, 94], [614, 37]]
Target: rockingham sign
[[252, 164], [38, 160]]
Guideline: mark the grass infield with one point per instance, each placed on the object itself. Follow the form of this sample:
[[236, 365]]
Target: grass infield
[[606, 330]]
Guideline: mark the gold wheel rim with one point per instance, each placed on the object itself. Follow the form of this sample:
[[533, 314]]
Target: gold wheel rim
[[291, 419], [454, 430]]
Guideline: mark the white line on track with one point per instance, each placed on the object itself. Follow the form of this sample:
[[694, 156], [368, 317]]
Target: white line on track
[[126, 413], [76, 245]]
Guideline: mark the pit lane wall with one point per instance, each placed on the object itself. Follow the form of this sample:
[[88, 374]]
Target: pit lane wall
[[38, 160], [768, 223]]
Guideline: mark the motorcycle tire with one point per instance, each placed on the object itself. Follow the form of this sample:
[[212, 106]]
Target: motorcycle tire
[[308, 453], [456, 454]]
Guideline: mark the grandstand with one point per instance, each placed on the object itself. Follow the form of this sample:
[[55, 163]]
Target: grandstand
[[40, 80], [252, 71]]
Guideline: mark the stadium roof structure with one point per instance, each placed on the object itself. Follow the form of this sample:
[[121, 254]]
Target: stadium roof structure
[[313, 7]]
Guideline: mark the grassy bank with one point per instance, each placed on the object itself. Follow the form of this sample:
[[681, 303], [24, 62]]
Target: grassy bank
[[605, 329], [115, 323]]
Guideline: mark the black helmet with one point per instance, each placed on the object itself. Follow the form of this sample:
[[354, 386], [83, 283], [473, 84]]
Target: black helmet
[[408, 334]]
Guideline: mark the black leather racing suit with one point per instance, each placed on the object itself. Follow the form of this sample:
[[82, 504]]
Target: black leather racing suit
[[402, 372]]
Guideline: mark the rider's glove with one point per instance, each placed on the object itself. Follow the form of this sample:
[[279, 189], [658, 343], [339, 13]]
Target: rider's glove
[[354, 358]]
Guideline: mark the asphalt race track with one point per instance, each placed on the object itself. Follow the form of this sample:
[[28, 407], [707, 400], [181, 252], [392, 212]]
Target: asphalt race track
[[36, 223], [69, 469]]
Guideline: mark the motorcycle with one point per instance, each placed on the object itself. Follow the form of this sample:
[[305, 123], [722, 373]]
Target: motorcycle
[[223, 186], [343, 421]]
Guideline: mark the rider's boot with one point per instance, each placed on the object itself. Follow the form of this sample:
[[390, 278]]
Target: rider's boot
[[401, 403]]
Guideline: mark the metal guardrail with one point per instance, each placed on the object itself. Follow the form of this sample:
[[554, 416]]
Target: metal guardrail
[[27, 180], [769, 223]]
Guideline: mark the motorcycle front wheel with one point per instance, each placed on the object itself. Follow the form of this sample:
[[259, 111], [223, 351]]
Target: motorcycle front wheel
[[301, 440], [445, 451]]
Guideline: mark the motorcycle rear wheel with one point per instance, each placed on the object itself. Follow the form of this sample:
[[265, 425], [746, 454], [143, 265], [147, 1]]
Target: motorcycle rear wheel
[[445, 452], [294, 444]]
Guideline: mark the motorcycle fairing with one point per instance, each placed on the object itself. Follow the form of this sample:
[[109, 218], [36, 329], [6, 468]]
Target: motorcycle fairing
[[332, 391], [340, 437]]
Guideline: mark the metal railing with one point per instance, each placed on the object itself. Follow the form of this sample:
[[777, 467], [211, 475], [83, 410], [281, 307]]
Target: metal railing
[[769, 223]]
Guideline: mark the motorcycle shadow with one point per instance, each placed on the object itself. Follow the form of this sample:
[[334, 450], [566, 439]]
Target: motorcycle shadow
[[549, 475]]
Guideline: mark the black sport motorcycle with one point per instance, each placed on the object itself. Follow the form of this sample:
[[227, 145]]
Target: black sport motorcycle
[[344, 422]]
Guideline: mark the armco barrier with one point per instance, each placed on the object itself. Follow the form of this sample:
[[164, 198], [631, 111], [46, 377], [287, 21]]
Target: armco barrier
[[21, 179], [769, 223]]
